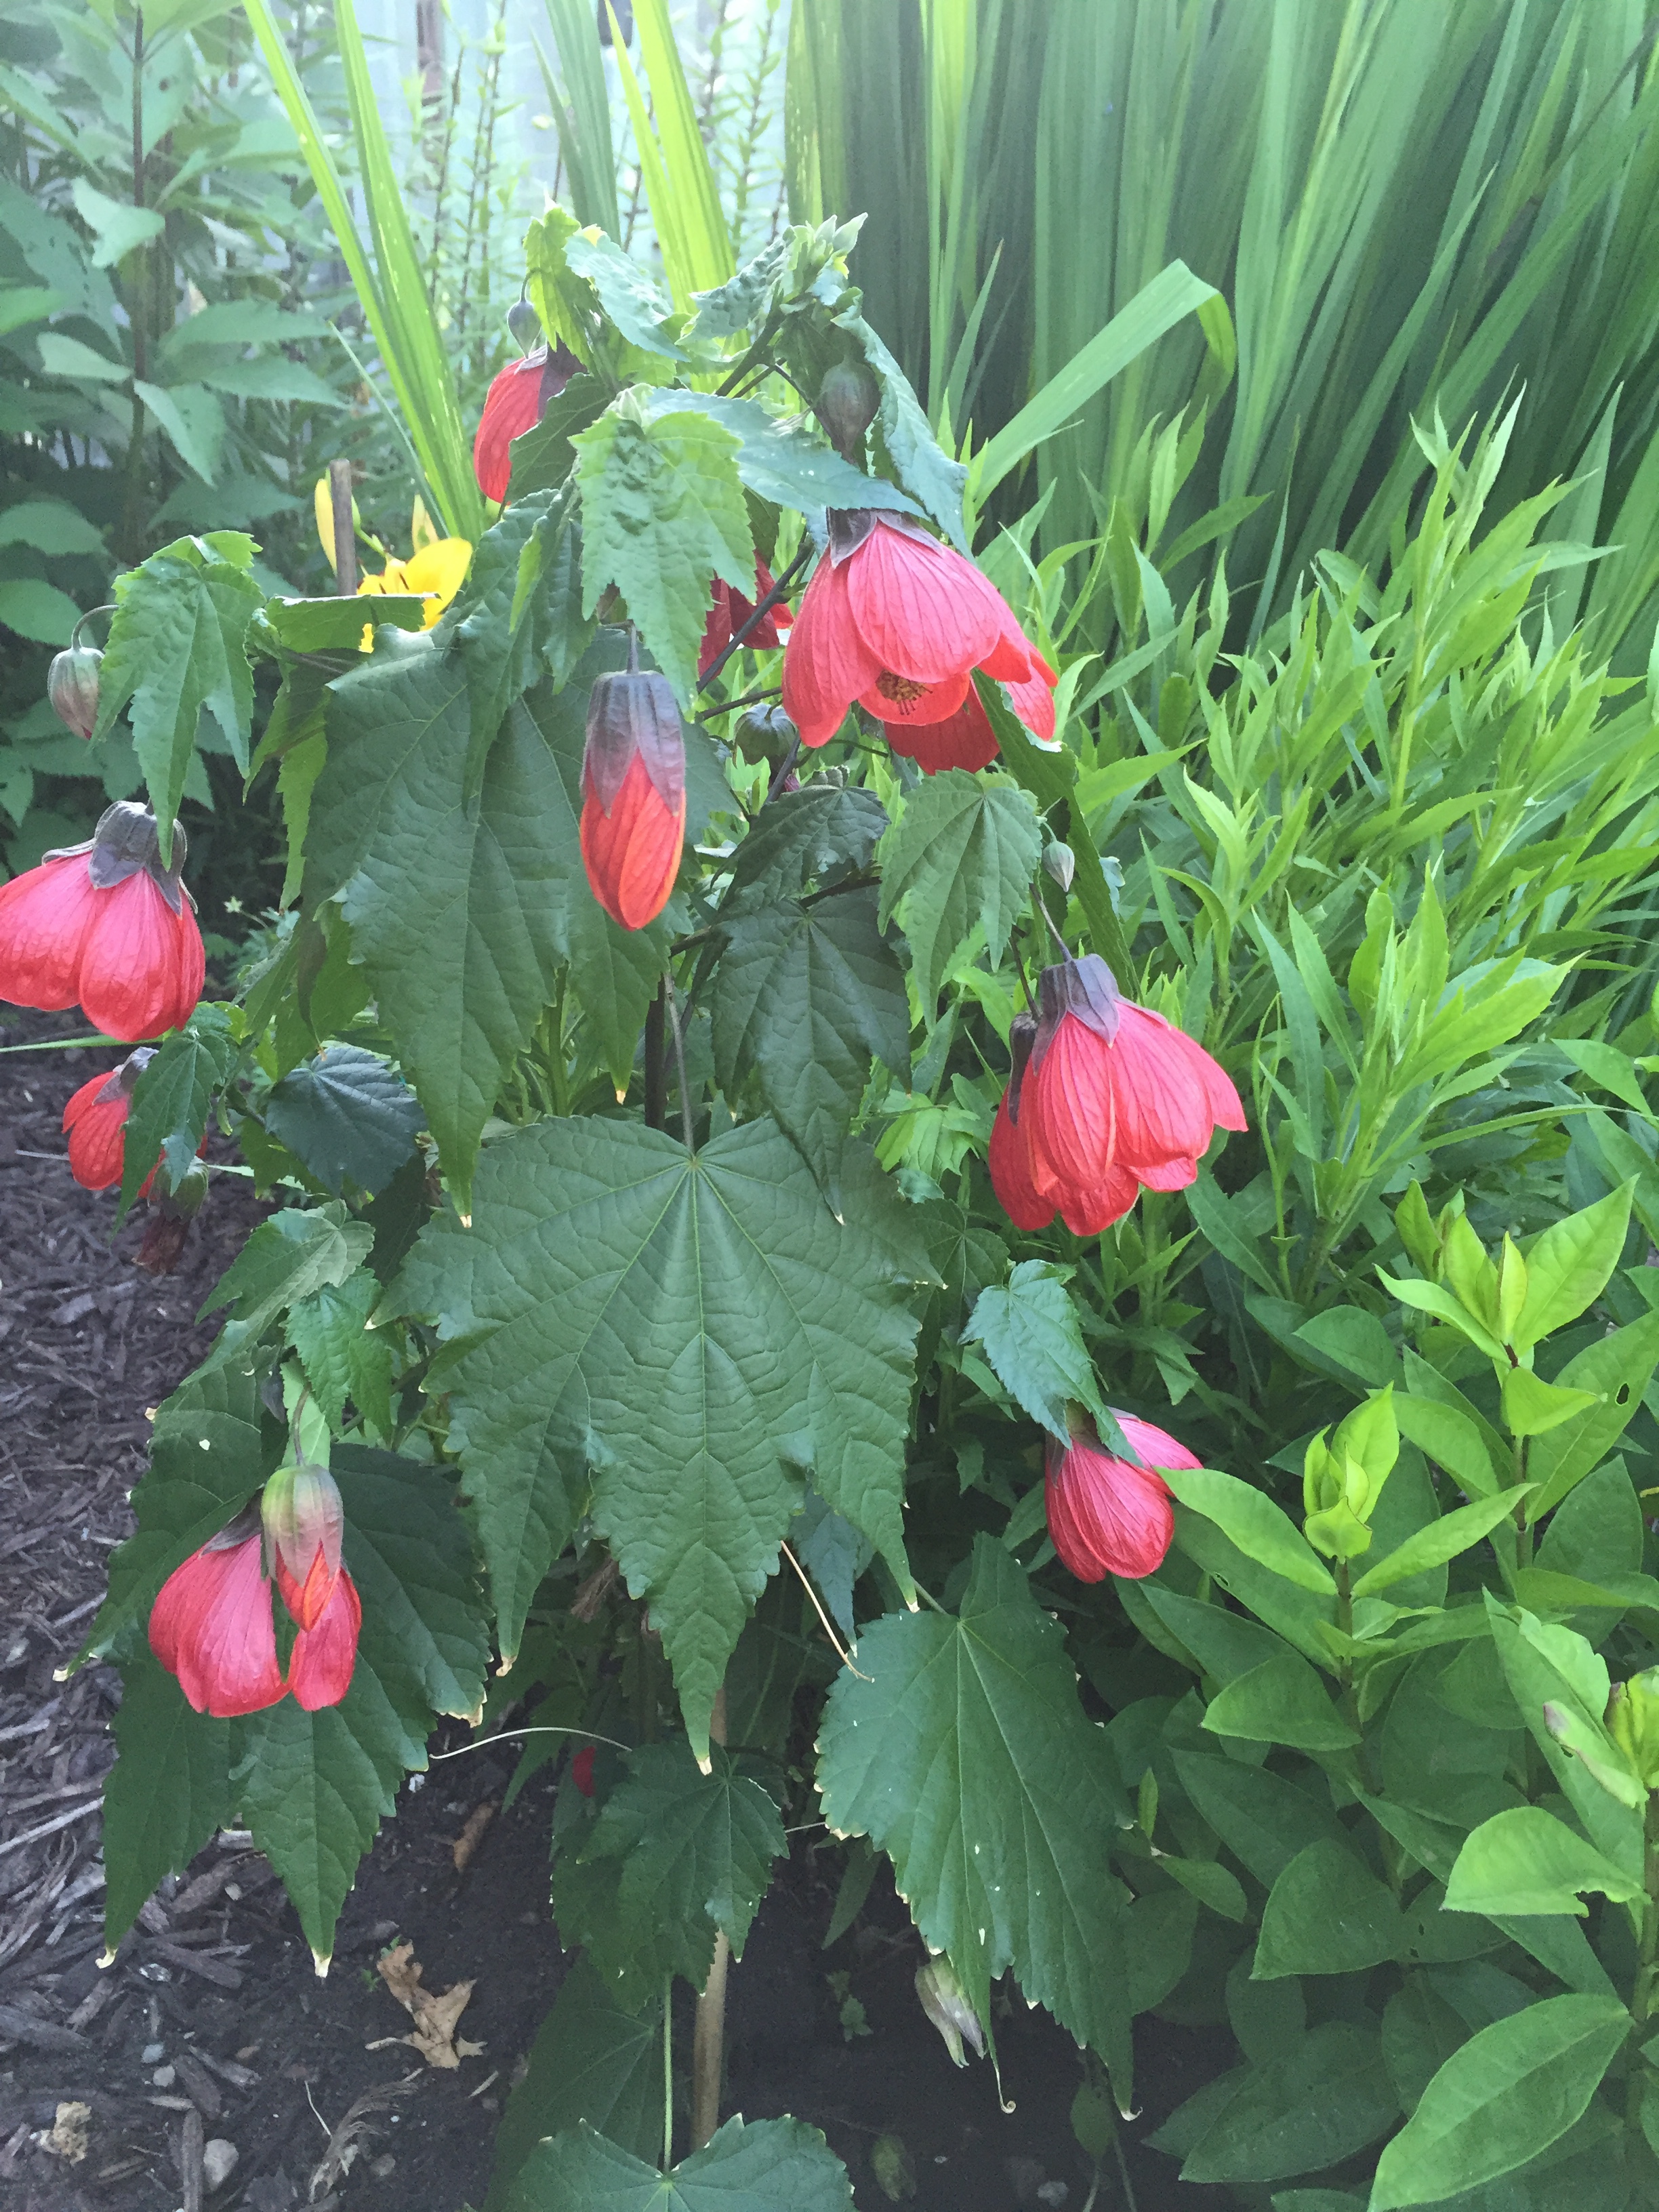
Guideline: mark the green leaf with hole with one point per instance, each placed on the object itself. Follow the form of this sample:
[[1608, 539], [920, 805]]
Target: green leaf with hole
[[967, 1758], [1261, 1530]]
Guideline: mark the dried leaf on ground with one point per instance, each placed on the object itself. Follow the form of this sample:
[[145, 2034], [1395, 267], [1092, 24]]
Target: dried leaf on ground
[[434, 2016], [471, 1835]]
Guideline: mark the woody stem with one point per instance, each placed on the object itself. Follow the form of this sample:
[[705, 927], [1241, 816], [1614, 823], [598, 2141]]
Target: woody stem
[[762, 610], [708, 2036]]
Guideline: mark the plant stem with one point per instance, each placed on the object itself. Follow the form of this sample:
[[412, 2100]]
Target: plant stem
[[656, 1060], [679, 1065], [345, 537], [763, 609], [668, 2073], [709, 2041]]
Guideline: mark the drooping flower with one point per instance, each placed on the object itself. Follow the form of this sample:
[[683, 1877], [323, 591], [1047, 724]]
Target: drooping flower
[[730, 610], [96, 1118], [581, 1769], [964, 739], [319, 1668], [514, 403], [211, 1624], [1106, 1515], [898, 621], [1106, 1097], [633, 795], [438, 570], [304, 1524], [105, 924]]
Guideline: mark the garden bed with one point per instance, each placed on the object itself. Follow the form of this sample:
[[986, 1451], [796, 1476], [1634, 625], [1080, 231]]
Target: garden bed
[[212, 2027]]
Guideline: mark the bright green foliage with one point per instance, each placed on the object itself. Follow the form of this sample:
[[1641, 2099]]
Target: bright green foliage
[[177, 649], [700, 1332], [343, 1355], [753, 2167], [962, 1719], [1507, 2094], [962, 854], [1527, 1860], [662, 513], [168, 1115], [285, 1260]]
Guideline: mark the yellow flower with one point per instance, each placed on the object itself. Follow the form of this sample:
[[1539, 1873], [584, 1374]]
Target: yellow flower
[[438, 571]]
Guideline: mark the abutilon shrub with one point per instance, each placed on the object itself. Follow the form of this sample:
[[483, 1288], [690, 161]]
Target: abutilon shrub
[[820, 1129]]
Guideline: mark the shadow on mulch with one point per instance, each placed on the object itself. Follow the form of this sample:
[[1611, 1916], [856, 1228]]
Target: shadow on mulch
[[209, 2069]]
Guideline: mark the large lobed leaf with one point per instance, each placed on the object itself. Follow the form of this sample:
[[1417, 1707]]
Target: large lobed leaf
[[759, 2166], [966, 1757], [963, 852], [700, 1332]]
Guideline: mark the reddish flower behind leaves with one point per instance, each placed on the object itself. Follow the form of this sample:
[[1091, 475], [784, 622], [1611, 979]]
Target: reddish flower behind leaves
[[211, 1625], [324, 1656], [1106, 1097], [897, 621], [514, 403], [581, 1769], [633, 795], [95, 1119], [730, 610], [964, 739], [105, 924], [1107, 1516]]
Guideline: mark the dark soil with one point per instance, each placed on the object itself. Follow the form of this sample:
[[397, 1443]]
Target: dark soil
[[211, 2029]]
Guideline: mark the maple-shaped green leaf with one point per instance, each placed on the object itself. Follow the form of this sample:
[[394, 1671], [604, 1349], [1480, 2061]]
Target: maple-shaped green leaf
[[466, 911], [177, 647], [823, 829], [966, 1757], [168, 1115], [287, 1257], [342, 1355], [314, 1787], [963, 852], [346, 1115], [755, 2166], [213, 1444], [803, 995], [701, 1332], [592, 2060], [167, 1793], [663, 513], [1033, 1339], [695, 1852]]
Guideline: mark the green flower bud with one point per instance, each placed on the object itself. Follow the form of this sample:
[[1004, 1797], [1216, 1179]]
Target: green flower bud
[[1633, 1724], [72, 687]]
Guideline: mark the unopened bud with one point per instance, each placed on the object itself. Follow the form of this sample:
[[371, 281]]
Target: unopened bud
[[1059, 864], [944, 2004], [764, 733], [304, 1522], [1632, 1721], [847, 403], [72, 687], [523, 325]]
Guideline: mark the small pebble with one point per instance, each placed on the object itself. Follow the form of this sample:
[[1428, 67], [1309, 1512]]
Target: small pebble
[[154, 2053], [164, 2076], [218, 2161], [381, 2167]]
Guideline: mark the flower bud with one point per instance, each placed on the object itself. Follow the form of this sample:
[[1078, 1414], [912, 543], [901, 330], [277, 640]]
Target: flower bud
[[1059, 864], [304, 1520], [72, 687], [1598, 1751], [523, 325], [764, 733], [944, 2004], [847, 403], [176, 1205]]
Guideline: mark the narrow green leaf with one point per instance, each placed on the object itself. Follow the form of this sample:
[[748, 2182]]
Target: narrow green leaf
[[1282, 1701], [1261, 1530], [1505, 2096], [1440, 1540]]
